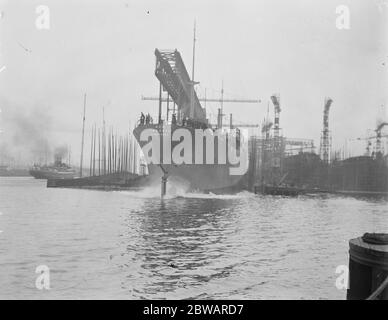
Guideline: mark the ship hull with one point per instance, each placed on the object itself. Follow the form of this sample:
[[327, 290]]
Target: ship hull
[[214, 178], [206, 178]]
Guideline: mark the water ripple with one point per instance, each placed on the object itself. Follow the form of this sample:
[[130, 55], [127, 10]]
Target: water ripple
[[133, 245]]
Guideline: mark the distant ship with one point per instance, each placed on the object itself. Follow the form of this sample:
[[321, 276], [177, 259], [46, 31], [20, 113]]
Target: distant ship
[[58, 170]]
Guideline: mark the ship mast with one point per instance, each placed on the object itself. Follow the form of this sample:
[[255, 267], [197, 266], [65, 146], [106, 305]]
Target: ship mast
[[103, 140], [83, 137], [222, 104], [194, 39]]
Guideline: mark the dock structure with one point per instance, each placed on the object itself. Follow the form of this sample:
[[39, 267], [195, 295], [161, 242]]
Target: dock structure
[[114, 163], [302, 168], [269, 165], [288, 153], [293, 165], [325, 147]]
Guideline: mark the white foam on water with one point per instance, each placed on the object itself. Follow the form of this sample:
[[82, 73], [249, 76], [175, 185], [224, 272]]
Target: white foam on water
[[146, 193], [240, 195], [181, 191], [174, 190]]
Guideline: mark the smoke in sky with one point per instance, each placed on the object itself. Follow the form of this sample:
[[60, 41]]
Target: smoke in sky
[[25, 133], [61, 151]]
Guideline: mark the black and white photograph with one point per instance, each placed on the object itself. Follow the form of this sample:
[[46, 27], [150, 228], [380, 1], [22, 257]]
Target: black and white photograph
[[193, 156]]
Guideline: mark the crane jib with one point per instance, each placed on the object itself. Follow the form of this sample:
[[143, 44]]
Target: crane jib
[[173, 76]]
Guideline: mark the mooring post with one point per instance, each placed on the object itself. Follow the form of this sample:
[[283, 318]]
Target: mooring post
[[368, 267]]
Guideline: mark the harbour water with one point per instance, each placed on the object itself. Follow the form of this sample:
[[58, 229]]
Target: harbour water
[[133, 245]]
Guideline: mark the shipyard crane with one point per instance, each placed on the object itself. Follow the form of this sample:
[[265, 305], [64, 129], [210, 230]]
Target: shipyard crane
[[325, 138], [240, 125], [368, 140], [378, 137], [205, 100], [368, 143], [174, 78]]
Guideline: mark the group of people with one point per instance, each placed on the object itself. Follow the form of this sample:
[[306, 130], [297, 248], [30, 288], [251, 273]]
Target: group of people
[[145, 119], [186, 122]]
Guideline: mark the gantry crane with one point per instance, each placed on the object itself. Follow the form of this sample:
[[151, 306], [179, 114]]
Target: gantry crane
[[175, 80], [378, 138], [325, 138]]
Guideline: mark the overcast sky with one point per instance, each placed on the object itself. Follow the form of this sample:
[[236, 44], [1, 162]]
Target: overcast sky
[[257, 48]]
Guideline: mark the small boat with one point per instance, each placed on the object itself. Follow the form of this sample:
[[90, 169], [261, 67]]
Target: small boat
[[58, 170]]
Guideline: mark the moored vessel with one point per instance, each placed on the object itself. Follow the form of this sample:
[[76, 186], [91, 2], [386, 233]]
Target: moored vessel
[[58, 170]]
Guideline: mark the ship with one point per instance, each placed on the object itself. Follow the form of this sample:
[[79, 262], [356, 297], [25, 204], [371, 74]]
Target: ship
[[364, 174], [58, 170], [358, 175], [186, 114], [275, 168]]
